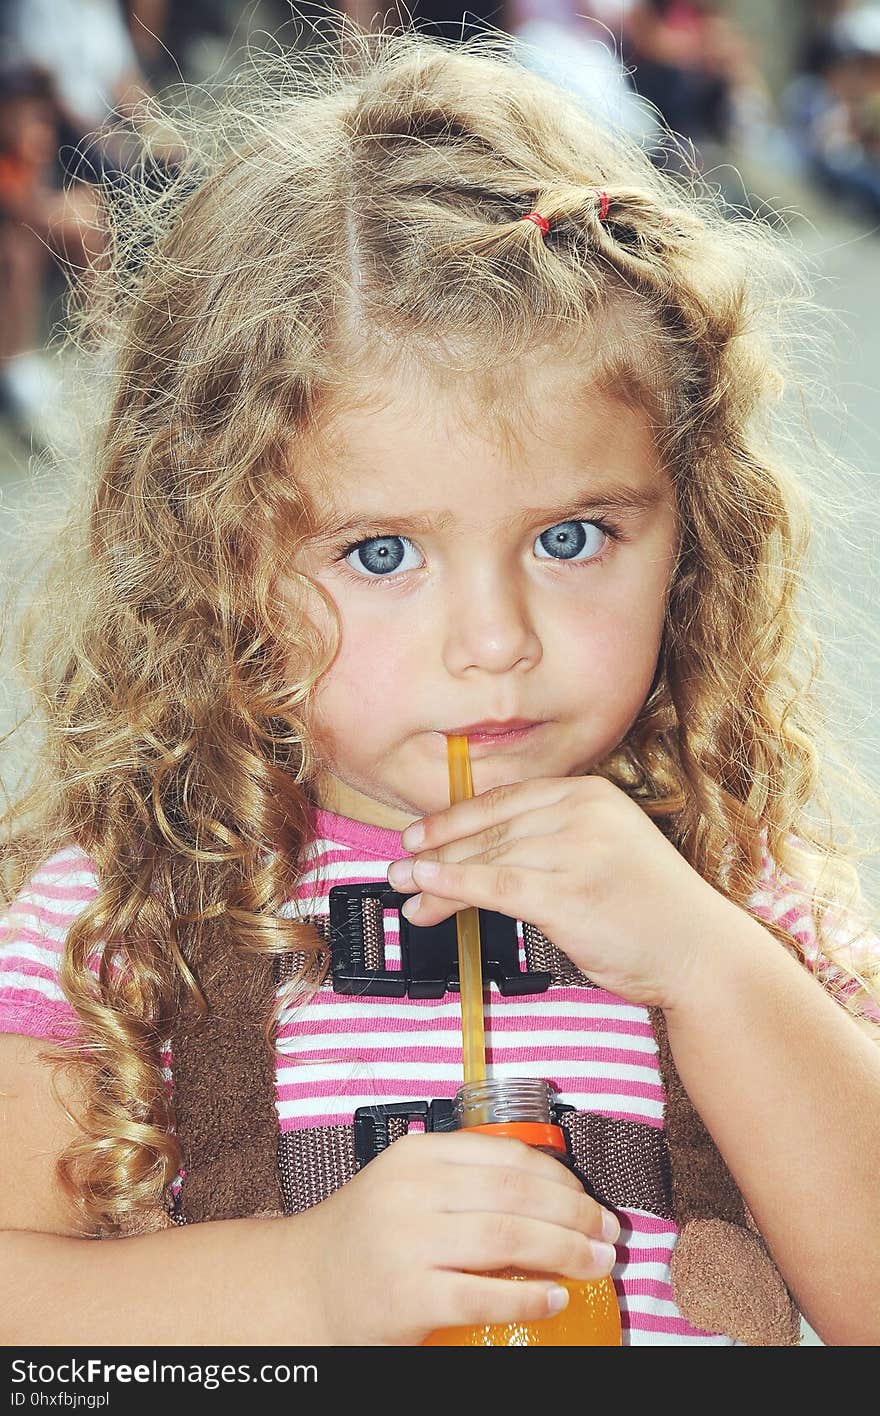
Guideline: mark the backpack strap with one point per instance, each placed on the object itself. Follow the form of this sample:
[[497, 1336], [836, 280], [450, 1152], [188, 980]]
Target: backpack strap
[[623, 1164], [354, 934], [724, 1278]]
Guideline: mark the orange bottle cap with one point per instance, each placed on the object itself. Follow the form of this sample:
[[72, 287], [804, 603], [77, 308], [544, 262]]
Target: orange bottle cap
[[534, 1133]]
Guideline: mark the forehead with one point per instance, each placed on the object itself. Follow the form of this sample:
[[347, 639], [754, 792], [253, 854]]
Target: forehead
[[532, 421]]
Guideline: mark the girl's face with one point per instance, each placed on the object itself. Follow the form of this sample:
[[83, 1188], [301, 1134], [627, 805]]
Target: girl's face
[[508, 572]]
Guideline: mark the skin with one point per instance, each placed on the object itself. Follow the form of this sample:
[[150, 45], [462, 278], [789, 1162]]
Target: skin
[[475, 623], [480, 627]]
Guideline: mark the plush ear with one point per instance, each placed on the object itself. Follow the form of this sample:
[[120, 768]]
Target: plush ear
[[723, 1277]]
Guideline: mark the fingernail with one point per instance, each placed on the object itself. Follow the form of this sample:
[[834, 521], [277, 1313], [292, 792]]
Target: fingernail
[[412, 837], [557, 1299], [399, 872], [412, 904], [610, 1227], [605, 1255]]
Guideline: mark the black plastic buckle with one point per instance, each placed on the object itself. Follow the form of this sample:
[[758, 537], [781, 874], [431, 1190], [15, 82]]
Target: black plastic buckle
[[371, 1124], [428, 954]]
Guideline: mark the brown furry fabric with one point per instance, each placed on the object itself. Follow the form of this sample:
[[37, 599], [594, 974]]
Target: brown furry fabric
[[224, 1095], [723, 1277], [147, 1222], [724, 1280]]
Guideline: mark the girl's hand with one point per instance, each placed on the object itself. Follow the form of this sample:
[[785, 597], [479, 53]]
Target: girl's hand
[[410, 1244], [577, 858]]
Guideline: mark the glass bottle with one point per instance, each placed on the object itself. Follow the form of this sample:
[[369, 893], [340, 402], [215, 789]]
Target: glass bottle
[[520, 1106]]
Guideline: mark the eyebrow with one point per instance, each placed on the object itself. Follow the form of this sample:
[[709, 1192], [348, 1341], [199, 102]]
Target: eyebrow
[[614, 498]]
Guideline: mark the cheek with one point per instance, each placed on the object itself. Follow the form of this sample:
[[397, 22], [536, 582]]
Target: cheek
[[614, 651], [607, 653], [377, 655]]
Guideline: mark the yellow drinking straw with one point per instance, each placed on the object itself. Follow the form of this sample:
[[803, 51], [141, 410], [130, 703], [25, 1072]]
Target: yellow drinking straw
[[467, 924]]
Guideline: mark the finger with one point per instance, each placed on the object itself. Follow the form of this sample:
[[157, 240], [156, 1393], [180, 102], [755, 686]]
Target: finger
[[469, 1147], [538, 853], [509, 1190], [471, 1300], [426, 911], [492, 1242], [508, 889], [466, 818], [523, 832]]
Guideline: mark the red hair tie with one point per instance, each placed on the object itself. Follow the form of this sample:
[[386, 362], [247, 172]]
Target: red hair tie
[[540, 221], [543, 224]]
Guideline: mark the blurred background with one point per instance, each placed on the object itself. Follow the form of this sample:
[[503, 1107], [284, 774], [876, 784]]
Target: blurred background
[[777, 105]]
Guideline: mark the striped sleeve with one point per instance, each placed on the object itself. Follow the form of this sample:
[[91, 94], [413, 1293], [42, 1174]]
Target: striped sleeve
[[33, 932], [782, 900]]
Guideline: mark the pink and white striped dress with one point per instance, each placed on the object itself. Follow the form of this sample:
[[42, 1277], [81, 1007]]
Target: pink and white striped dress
[[340, 1051]]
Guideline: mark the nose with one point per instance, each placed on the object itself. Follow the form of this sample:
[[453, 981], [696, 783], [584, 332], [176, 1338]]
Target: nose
[[490, 627]]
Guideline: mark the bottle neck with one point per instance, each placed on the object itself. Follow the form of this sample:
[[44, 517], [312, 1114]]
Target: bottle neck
[[497, 1099], [511, 1106]]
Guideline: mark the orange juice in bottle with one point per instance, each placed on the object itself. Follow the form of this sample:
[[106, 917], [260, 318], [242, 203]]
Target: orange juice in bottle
[[520, 1106]]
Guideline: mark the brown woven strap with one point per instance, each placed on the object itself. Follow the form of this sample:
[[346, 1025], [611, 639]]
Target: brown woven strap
[[623, 1163], [542, 956]]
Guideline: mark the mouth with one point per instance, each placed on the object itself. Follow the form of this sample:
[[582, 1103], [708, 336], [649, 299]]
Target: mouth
[[495, 734]]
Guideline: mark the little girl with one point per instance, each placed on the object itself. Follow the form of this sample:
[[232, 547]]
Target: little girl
[[436, 410]]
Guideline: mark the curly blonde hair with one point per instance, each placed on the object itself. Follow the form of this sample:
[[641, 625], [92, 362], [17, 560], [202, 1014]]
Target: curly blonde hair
[[370, 200]]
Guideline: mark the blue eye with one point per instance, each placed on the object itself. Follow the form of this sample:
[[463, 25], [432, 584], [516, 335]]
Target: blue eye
[[380, 555], [568, 538], [378, 558]]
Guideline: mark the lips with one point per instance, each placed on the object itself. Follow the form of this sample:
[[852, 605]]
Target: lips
[[490, 727], [494, 735]]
